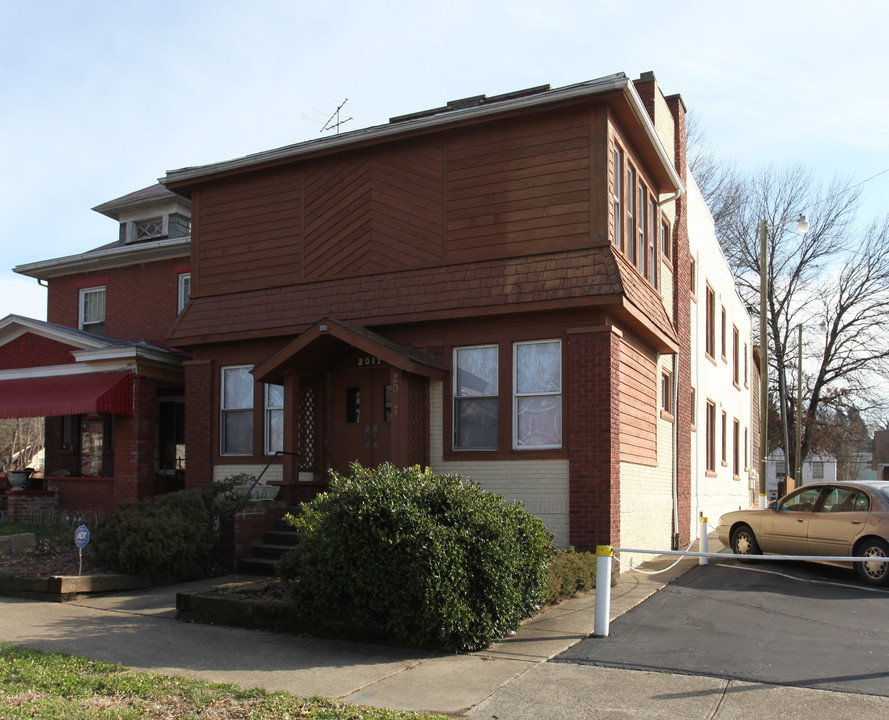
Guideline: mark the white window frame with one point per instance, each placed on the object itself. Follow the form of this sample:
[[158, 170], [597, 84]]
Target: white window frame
[[184, 290], [132, 232], [84, 323], [272, 411], [226, 411], [517, 396], [618, 201], [458, 398]]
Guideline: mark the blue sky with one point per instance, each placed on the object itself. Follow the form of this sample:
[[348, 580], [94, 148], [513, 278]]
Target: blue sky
[[98, 99]]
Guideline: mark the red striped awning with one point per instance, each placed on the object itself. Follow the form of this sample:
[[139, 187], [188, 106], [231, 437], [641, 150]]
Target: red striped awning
[[67, 395]]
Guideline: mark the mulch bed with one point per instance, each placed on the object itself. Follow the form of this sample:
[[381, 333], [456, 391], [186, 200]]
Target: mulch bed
[[49, 559]]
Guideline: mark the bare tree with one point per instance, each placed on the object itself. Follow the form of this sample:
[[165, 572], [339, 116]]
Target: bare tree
[[21, 440], [716, 178], [834, 276]]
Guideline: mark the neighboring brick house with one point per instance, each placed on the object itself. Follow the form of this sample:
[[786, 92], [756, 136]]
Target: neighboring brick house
[[497, 288], [99, 369]]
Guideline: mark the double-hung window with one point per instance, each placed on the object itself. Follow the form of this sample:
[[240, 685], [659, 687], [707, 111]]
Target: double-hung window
[[274, 418], [92, 310], [476, 397], [236, 410], [537, 412]]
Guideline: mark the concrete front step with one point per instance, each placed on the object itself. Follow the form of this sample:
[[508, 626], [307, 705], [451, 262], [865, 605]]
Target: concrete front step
[[280, 537], [265, 550], [257, 566]]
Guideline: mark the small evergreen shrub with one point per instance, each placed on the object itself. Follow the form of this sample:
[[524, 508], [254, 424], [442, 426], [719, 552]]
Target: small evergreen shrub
[[432, 560], [175, 533], [570, 573]]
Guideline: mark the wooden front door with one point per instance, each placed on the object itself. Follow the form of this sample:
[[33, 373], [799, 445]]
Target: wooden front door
[[361, 417]]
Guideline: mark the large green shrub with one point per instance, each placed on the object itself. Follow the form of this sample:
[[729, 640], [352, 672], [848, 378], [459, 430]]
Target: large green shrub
[[175, 533], [428, 559]]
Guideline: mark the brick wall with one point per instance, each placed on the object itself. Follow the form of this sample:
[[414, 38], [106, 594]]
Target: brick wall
[[593, 420], [87, 495], [248, 526], [21, 505], [134, 444], [682, 323], [30, 350], [141, 301], [198, 419]]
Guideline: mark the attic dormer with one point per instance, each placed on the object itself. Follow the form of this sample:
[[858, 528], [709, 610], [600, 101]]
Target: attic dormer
[[153, 213]]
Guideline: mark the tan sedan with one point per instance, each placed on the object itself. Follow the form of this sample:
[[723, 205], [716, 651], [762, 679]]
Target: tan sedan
[[844, 519]]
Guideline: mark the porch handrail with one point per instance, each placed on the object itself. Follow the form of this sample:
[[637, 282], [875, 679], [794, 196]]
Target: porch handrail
[[259, 477]]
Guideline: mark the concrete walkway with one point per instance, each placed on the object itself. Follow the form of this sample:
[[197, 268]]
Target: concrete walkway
[[508, 680]]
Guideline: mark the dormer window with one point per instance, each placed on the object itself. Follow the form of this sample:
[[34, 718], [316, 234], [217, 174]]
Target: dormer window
[[148, 229]]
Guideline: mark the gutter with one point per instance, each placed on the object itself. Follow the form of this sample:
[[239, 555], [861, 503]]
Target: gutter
[[73, 263]]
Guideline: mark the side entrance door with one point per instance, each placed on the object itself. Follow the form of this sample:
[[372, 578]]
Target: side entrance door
[[361, 415]]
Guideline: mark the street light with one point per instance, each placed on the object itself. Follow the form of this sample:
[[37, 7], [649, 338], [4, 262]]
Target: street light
[[802, 224], [798, 466]]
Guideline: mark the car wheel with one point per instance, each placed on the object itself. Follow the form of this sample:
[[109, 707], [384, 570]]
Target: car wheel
[[744, 541], [873, 572]]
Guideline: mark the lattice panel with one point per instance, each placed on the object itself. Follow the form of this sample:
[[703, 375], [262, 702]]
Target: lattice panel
[[309, 399], [418, 426]]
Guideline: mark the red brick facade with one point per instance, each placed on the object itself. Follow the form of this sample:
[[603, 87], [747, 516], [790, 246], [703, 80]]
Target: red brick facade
[[593, 375], [31, 350], [198, 418], [141, 300], [682, 322]]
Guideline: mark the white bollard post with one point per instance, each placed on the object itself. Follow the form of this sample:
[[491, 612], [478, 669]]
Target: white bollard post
[[604, 554], [702, 536]]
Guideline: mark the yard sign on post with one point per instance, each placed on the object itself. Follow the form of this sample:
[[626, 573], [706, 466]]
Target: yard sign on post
[[81, 539]]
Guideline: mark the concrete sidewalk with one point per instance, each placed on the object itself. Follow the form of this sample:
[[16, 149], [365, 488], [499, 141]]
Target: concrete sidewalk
[[508, 680]]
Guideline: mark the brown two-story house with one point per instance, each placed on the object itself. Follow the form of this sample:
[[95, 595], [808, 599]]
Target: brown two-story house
[[498, 287]]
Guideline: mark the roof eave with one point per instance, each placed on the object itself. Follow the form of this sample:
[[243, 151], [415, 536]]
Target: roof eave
[[112, 257]]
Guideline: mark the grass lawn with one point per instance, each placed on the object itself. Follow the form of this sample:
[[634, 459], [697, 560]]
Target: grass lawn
[[51, 685]]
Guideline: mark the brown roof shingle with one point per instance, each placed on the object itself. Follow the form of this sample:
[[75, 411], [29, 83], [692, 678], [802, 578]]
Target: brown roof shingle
[[424, 293]]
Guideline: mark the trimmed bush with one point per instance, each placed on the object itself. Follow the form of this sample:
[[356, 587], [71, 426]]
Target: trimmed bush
[[175, 533], [431, 560], [570, 573]]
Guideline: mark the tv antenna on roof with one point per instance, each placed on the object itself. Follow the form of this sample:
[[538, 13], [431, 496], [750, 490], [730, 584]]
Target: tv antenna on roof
[[335, 125]]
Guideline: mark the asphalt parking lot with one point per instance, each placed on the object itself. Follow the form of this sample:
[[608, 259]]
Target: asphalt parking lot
[[786, 623]]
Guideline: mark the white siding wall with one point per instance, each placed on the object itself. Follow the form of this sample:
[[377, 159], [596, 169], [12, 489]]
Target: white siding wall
[[713, 496], [646, 509], [274, 473]]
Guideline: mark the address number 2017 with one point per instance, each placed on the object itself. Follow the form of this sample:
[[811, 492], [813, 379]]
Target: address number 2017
[[368, 361]]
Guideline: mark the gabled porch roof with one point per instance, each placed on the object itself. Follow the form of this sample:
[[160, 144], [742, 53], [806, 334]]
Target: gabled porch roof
[[314, 349]]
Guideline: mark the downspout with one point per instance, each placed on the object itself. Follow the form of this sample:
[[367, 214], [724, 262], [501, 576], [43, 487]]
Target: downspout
[[674, 542], [675, 469]]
